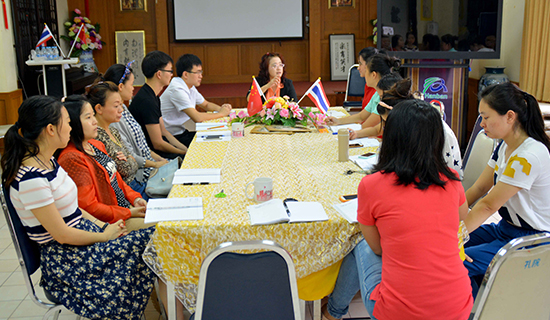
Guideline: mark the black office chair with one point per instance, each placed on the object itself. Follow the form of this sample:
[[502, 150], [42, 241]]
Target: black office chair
[[355, 87], [517, 282], [28, 254], [248, 286]]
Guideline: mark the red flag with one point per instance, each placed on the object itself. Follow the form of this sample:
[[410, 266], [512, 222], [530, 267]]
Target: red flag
[[254, 99]]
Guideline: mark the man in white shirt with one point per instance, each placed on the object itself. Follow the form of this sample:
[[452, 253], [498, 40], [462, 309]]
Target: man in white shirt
[[181, 97]]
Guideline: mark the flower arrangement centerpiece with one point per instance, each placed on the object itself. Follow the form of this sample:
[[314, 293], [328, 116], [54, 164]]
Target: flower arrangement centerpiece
[[88, 39], [280, 111], [374, 37]]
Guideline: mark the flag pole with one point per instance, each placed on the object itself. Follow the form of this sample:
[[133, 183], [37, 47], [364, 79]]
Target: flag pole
[[305, 94], [74, 42], [57, 44], [259, 88]]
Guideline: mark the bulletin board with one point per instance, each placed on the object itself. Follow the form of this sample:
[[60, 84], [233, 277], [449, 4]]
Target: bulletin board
[[130, 45]]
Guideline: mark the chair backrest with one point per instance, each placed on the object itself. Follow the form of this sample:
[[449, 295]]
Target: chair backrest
[[479, 153], [356, 83], [517, 282], [28, 251], [477, 128], [258, 285]]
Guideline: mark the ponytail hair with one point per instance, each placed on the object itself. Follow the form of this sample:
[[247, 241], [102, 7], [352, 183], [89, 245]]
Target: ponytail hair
[[400, 91], [98, 92], [383, 64], [35, 114], [507, 96]]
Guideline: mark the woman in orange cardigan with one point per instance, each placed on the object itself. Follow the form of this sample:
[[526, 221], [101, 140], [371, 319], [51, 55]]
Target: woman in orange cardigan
[[101, 190]]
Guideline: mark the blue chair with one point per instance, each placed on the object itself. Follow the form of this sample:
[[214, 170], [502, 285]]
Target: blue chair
[[258, 285], [355, 87], [28, 254], [517, 282]]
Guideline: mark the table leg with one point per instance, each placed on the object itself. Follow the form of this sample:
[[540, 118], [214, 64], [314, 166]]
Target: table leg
[[63, 80], [317, 309], [303, 309], [44, 78], [171, 303]]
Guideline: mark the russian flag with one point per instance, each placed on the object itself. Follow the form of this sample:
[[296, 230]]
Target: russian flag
[[46, 35], [317, 94]]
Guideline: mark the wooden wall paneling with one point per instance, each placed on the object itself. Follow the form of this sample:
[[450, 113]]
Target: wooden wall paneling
[[296, 59], [162, 32], [179, 49], [103, 12], [325, 60], [9, 104], [221, 60], [251, 54], [315, 17]]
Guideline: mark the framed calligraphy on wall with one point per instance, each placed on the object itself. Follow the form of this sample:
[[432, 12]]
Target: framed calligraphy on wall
[[342, 55], [130, 45]]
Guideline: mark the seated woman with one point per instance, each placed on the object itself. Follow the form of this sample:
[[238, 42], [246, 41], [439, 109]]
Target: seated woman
[[364, 55], [128, 128], [411, 44], [101, 190], [272, 78], [376, 67], [421, 222], [516, 180], [94, 269]]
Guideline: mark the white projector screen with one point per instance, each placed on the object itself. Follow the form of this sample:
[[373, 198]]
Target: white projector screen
[[237, 19]]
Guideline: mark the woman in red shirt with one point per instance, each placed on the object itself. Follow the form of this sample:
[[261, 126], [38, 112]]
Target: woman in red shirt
[[409, 210]]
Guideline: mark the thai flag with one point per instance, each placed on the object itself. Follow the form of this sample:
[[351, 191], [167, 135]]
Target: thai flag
[[317, 94], [46, 35]]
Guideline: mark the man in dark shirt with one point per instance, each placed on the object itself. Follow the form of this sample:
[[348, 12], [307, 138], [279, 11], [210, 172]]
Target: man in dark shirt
[[145, 106]]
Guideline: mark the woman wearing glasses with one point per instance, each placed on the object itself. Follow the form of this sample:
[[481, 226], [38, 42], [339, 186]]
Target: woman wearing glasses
[[272, 78]]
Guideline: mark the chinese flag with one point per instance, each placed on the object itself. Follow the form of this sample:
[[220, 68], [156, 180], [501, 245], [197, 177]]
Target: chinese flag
[[255, 99]]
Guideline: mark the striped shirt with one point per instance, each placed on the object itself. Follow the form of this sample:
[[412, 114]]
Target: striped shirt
[[35, 188]]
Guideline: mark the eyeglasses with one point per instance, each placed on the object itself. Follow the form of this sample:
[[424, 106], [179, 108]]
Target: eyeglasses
[[171, 71], [126, 71], [275, 66], [196, 72]]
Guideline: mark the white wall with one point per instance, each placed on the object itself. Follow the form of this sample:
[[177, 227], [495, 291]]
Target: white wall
[[8, 68], [401, 27], [62, 16], [512, 35], [446, 18]]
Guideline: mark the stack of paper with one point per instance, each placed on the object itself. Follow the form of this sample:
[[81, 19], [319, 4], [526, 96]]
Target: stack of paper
[[348, 210], [210, 125], [366, 142], [365, 163], [197, 176], [173, 209], [273, 211], [353, 126], [213, 135]]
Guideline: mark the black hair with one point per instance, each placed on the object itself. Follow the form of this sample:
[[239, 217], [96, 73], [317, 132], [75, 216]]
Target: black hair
[[368, 52], [153, 62], [186, 63], [449, 39], [395, 40], [387, 81], [507, 96], [383, 64], [35, 114], [115, 73], [98, 93], [412, 146], [74, 105], [399, 91], [415, 38]]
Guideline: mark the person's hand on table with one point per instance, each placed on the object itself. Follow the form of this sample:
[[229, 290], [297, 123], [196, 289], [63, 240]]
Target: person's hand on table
[[331, 121], [352, 134], [225, 110]]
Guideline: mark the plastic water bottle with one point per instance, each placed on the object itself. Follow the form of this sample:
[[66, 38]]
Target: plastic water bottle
[[39, 54], [48, 53], [55, 53]]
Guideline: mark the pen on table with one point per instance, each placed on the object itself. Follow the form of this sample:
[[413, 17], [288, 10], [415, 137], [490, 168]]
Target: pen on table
[[218, 127], [195, 183]]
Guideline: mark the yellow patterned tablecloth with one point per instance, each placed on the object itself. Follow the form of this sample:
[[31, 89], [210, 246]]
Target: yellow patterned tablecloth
[[303, 166]]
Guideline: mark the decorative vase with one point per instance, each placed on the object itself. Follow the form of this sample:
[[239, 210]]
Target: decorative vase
[[87, 59], [493, 75]]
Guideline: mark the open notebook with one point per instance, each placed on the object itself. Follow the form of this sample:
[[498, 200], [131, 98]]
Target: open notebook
[[174, 209], [273, 211], [348, 210]]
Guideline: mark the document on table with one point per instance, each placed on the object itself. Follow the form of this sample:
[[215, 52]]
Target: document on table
[[353, 126], [210, 125], [348, 210], [365, 163], [213, 135], [174, 209], [335, 113], [274, 211], [366, 142], [197, 176]]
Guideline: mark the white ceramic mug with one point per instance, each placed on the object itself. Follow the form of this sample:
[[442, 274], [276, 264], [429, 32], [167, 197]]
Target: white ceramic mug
[[263, 189], [237, 129]]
